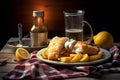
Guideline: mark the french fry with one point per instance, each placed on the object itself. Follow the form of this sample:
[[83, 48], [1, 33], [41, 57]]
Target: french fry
[[65, 59], [72, 55], [77, 57], [95, 57], [44, 54], [84, 58]]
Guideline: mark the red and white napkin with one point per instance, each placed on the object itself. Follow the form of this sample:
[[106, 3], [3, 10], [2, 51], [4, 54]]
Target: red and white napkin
[[38, 70]]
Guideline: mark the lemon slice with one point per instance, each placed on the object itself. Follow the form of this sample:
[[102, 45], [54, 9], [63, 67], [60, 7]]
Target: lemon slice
[[84, 58], [22, 54]]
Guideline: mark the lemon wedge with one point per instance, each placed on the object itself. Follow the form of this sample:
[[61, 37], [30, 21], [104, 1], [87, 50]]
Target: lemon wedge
[[22, 54]]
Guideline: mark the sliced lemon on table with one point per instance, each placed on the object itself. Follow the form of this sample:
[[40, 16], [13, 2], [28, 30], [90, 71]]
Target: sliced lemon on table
[[84, 58], [22, 54]]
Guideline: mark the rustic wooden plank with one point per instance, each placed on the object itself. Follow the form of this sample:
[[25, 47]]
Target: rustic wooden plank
[[7, 49], [8, 57]]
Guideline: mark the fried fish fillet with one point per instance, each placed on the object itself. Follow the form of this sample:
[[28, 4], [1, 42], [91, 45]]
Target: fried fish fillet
[[85, 48], [55, 46]]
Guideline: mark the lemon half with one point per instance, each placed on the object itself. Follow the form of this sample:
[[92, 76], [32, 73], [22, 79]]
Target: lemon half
[[22, 54]]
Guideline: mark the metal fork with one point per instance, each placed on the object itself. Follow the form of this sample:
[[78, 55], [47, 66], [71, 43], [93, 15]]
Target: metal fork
[[20, 35]]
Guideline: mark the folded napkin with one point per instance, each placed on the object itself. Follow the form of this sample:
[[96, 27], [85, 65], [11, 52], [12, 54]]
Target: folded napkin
[[38, 70]]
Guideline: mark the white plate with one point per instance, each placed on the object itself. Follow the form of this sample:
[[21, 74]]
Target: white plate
[[106, 56]]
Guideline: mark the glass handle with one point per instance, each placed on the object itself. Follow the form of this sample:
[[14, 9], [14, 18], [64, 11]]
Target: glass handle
[[91, 36]]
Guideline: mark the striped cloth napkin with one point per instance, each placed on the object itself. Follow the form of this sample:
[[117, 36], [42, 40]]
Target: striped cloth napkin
[[38, 70]]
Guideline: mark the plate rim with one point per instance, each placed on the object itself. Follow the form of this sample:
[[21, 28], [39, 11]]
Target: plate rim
[[106, 55]]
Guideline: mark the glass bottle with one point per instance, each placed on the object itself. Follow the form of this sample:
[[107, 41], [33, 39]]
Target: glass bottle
[[39, 32]]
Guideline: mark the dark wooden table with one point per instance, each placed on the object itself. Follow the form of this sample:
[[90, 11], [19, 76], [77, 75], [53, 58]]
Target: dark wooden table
[[7, 54]]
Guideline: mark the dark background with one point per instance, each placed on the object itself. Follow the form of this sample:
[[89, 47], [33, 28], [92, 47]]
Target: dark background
[[101, 14]]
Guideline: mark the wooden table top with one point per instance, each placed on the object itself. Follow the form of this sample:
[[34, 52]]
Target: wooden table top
[[7, 54]]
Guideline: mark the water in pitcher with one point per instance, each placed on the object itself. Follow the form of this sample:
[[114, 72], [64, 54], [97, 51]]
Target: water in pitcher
[[76, 34]]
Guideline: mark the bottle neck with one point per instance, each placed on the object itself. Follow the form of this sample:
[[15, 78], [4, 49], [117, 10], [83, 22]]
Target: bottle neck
[[38, 21]]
